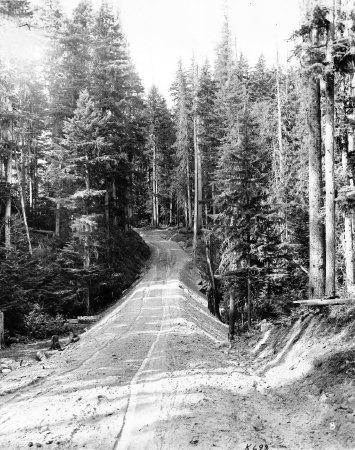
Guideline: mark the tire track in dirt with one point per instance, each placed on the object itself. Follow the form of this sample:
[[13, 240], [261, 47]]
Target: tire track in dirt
[[98, 401], [126, 432]]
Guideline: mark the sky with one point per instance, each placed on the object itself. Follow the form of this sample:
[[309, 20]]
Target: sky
[[160, 32]]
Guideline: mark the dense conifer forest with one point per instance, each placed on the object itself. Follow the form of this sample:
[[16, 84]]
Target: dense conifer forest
[[254, 163]]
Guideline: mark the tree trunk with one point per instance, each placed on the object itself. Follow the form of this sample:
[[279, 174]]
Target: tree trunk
[[280, 176], [107, 209], [348, 225], [87, 300], [157, 200], [249, 301], [213, 296], [316, 227], [7, 217], [2, 336], [329, 168], [171, 209], [279, 116], [114, 199], [248, 261], [35, 183], [198, 184], [186, 213], [206, 215], [154, 190], [22, 200], [57, 219], [214, 209], [231, 317], [188, 197], [30, 189], [87, 173]]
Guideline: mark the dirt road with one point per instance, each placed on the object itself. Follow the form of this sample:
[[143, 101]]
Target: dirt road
[[154, 373]]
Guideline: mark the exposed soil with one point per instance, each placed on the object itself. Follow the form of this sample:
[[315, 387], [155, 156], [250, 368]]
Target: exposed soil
[[157, 372]]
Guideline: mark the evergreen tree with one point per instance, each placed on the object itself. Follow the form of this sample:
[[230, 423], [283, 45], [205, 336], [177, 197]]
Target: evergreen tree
[[184, 142], [161, 139], [208, 139], [15, 8]]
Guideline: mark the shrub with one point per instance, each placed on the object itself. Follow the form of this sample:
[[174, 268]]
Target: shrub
[[40, 325]]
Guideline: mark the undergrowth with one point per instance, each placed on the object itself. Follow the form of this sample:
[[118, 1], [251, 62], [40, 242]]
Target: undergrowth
[[39, 292]]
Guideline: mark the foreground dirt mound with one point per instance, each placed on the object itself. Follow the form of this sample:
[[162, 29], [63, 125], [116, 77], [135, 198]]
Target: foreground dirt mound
[[308, 367]]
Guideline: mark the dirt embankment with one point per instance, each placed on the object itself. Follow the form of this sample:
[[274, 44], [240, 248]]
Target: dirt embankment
[[307, 367]]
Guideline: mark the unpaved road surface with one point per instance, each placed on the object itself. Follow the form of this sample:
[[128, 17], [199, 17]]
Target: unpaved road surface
[[154, 373]]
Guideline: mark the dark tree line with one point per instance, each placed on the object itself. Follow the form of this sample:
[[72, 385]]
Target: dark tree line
[[256, 162]]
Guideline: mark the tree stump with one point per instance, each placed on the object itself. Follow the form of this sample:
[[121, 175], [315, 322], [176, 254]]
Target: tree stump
[[55, 345], [73, 337]]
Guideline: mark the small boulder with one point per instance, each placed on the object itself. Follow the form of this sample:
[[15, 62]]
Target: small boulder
[[323, 398], [41, 355], [222, 345], [264, 326]]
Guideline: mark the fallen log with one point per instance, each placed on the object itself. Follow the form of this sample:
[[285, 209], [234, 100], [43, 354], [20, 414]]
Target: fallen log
[[325, 301], [87, 319], [73, 321], [48, 232]]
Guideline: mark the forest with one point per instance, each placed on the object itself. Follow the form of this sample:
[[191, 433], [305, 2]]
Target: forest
[[252, 165]]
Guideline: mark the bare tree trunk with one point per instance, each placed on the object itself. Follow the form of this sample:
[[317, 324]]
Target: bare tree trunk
[[114, 198], [87, 262], [57, 219], [30, 189], [87, 174], [231, 317], [186, 211], [248, 261], [171, 209], [213, 295], [157, 200], [279, 115], [348, 226], [198, 184], [154, 189], [35, 183], [279, 176], [2, 336], [316, 227], [107, 204], [249, 300], [86, 294], [7, 217], [329, 168], [214, 210], [188, 197], [22, 200]]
